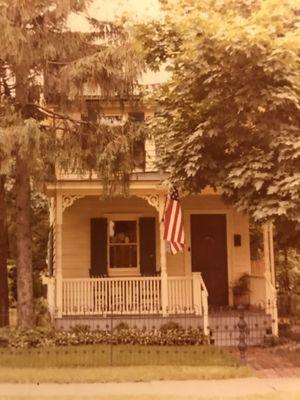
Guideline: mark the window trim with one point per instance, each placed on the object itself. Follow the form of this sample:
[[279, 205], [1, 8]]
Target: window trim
[[133, 271]]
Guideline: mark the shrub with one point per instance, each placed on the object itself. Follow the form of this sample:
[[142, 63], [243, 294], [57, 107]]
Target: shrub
[[170, 334], [121, 326], [170, 326]]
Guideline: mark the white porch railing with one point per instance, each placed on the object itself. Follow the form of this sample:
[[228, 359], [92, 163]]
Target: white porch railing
[[180, 295], [134, 295], [138, 295]]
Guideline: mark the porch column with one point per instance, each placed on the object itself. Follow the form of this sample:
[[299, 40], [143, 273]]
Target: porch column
[[269, 251], [163, 259], [272, 263], [58, 255], [271, 297]]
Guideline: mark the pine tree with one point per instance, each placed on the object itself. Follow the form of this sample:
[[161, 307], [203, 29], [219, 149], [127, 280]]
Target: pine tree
[[37, 43]]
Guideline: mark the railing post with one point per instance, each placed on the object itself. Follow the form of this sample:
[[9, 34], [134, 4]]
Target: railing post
[[204, 301], [205, 317], [197, 298], [164, 293]]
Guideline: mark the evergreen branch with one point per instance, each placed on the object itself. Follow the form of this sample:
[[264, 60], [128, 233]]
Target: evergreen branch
[[57, 115]]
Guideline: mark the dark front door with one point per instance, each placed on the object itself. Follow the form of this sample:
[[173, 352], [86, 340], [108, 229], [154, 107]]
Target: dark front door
[[209, 254]]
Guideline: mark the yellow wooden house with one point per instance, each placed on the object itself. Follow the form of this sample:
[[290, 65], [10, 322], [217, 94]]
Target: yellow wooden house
[[110, 259]]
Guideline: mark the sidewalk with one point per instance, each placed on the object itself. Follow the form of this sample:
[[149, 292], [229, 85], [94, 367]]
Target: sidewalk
[[224, 388]]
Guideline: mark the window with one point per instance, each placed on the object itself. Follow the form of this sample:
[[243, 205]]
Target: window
[[139, 154], [122, 244], [112, 120]]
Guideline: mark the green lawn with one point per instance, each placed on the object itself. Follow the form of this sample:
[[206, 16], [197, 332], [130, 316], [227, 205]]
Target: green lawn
[[120, 374], [117, 355]]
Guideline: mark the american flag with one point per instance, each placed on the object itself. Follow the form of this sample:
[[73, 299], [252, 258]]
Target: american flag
[[174, 232]]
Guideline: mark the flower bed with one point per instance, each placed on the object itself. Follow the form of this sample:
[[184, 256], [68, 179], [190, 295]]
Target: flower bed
[[169, 334]]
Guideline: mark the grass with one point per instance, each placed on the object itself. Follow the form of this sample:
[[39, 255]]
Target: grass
[[117, 355], [272, 396], [119, 363], [120, 374]]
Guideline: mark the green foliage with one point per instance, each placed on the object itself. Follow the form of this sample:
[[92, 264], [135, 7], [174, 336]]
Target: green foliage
[[242, 285], [231, 110], [40, 53], [287, 253], [40, 43], [288, 272], [79, 335]]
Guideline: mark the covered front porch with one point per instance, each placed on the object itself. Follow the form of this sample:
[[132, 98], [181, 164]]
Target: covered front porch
[[91, 235]]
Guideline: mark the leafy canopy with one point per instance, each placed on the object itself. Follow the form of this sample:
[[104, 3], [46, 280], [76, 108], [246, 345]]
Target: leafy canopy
[[229, 116]]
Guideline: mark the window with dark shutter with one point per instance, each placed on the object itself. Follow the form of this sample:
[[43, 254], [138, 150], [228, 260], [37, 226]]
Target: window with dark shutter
[[98, 247], [147, 246]]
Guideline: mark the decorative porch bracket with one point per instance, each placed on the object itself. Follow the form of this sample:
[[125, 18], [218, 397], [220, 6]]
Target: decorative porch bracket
[[69, 199], [153, 200]]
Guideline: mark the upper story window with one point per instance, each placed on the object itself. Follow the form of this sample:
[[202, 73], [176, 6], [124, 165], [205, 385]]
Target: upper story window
[[96, 113], [112, 120], [139, 153]]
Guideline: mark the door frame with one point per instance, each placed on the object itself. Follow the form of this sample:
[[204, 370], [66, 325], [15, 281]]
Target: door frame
[[229, 242]]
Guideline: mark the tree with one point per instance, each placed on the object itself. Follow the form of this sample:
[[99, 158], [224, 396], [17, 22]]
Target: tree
[[4, 311], [37, 42], [287, 252], [231, 110]]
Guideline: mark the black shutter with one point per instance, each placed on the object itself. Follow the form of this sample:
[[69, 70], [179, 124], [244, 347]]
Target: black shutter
[[98, 247], [147, 246]]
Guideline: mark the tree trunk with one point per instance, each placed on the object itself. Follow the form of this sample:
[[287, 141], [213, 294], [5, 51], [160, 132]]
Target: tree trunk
[[24, 251], [4, 305]]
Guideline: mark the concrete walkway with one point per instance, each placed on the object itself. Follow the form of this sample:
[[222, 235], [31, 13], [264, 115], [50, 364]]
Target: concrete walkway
[[201, 389]]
